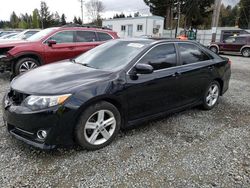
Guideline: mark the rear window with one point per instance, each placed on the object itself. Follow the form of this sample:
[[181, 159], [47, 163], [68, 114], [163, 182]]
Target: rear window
[[103, 36], [190, 53]]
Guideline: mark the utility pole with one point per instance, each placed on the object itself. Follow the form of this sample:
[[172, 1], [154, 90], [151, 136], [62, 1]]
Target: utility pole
[[81, 1], [215, 19], [178, 18]]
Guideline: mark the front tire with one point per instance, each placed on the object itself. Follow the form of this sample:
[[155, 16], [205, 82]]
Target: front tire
[[246, 52], [98, 126], [214, 49], [211, 96], [25, 64]]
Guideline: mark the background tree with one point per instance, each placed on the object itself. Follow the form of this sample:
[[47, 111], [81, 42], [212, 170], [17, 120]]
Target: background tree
[[244, 16], [162, 8], [95, 8], [195, 12], [229, 16], [63, 19], [46, 17], [14, 20], [35, 19]]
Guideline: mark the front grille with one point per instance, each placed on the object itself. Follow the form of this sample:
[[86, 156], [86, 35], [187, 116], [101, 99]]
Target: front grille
[[17, 97]]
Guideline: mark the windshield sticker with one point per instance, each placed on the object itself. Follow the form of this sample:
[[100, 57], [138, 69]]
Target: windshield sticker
[[135, 45]]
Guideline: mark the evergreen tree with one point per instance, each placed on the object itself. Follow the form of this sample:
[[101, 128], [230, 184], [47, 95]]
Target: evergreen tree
[[46, 17], [63, 19], [35, 19], [244, 17], [14, 20]]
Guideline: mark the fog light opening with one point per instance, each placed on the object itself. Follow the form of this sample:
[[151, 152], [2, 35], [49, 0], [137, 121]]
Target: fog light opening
[[41, 134]]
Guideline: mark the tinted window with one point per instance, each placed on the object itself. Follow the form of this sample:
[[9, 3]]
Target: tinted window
[[230, 40], [161, 57], [104, 36], [63, 37], [191, 54], [85, 36], [240, 40]]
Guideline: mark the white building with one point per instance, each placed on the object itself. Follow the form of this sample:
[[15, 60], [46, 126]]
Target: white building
[[136, 26]]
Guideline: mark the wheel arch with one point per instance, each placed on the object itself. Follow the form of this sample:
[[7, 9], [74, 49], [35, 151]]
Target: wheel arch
[[220, 81], [243, 47], [112, 100], [215, 45], [28, 55]]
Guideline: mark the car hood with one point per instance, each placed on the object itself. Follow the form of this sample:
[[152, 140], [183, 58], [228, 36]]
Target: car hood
[[58, 78]]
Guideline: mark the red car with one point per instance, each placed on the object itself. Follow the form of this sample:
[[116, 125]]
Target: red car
[[51, 45], [235, 44]]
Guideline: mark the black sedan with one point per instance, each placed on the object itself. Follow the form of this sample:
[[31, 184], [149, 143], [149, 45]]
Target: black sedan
[[87, 100]]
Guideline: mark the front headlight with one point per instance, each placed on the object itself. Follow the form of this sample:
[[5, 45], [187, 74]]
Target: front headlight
[[42, 102]]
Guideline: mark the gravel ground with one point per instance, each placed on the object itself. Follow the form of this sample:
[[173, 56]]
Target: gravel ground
[[193, 148]]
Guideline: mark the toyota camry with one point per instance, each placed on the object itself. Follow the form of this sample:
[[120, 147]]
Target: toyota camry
[[87, 100]]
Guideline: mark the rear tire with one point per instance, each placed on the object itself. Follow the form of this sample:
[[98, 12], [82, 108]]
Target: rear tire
[[211, 96], [246, 52], [98, 126], [25, 64]]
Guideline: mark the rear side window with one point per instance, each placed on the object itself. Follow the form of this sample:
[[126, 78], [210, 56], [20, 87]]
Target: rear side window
[[85, 36], [63, 37], [161, 57], [104, 36], [190, 53], [240, 40]]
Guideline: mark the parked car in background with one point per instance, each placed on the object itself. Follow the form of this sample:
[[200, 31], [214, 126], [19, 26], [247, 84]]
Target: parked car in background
[[2, 33], [115, 85], [8, 36], [235, 45], [51, 45], [21, 36]]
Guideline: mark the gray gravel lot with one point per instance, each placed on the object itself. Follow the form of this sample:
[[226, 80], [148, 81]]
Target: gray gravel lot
[[193, 148]]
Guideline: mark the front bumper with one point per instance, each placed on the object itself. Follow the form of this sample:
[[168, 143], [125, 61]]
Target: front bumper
[[58, 122]]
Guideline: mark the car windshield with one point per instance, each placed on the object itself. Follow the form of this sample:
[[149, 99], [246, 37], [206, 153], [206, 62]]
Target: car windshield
[[41, 34], [113, 55]]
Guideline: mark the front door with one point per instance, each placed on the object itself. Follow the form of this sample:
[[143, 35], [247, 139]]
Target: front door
[[149, 94], [63, 49]]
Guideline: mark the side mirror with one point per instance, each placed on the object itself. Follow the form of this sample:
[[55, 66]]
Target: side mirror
[[51, 42], [144, 69]]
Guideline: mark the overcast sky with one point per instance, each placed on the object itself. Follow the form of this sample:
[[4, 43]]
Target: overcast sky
[[72, 8]]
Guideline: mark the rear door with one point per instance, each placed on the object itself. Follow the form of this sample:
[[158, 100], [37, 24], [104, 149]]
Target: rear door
[[63, 49], [239, 43], [194, 74], [85, 40]]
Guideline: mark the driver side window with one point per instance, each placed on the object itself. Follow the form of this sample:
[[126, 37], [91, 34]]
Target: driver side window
[[63, 37], [161, 57]]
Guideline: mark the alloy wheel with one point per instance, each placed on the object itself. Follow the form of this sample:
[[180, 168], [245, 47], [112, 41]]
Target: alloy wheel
[[100, 127], [26, 66], [213, 95], [246, 52]]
